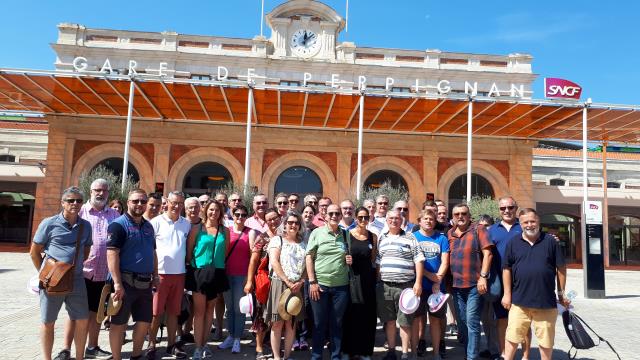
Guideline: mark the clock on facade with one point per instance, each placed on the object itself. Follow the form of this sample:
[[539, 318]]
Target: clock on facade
[[305, 43]]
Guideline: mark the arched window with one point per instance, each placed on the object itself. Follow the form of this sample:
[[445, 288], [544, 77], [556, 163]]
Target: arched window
[[115, 166], [205, 177], [380, 177], [479, 187], [298, 179]]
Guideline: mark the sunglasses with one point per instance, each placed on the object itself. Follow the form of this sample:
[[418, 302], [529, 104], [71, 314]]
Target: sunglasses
[[460, 214], [73, 201], [363, 218], [510, 207], [292, 222], [261, 203], [240, 215], [295, 201], [139, 202], [282, 202], [312, 202], [234, 200], [383, 203], [402, 209], [202, 203], [333, 213]]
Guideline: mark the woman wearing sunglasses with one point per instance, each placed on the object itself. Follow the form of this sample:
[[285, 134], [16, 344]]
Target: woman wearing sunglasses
[[206, 248], [236, 264], [360, 319], [286, 257]]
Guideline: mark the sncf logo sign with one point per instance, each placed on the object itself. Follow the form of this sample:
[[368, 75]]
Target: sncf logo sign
[[560, 88], [593, 206]]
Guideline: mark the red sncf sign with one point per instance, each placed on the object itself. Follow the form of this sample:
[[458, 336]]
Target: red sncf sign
[[562, 89]]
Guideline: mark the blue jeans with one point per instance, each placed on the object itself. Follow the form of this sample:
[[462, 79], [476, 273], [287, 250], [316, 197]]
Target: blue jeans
[[328, 311], [235, 319], [469, 308]]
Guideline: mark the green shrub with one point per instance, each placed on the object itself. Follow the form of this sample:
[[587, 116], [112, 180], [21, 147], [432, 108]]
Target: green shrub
[[394, 194], [247, 198], [481, 205], [116, 191]]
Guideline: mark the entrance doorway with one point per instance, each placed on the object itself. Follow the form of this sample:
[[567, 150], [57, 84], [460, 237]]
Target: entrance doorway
[[565, 228], [624, 240]]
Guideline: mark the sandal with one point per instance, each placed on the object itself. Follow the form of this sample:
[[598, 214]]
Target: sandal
[[150, 353]]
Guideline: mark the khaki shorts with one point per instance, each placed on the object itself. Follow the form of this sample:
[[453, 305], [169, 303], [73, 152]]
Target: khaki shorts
[[544, 325], [388, 296]]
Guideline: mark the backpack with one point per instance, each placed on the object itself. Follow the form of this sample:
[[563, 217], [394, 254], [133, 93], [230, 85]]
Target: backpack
[[580, 339], [263, 279]]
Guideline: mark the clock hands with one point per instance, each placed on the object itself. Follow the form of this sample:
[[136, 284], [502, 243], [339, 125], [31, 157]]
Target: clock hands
[[304, 41]]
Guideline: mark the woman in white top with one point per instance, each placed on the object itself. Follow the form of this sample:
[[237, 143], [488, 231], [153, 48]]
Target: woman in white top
[[287, 260]]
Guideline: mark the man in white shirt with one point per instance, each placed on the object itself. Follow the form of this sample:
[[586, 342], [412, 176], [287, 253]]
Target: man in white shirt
[[171, 232]]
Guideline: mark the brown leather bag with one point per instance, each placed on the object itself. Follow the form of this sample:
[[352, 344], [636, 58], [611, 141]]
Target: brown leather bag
[[56, 277]]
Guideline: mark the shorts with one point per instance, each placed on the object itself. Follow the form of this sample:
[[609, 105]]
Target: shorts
[[75, 303], [499, 310], [388, 297], [544, 325], [168, 295], [137, 303], [94, 290], [208, 281]]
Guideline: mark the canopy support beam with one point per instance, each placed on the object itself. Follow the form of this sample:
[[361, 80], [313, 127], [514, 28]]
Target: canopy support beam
[[247, 153], [360, 129]]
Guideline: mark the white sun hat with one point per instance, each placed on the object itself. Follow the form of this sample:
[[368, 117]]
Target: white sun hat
[[408, 302]]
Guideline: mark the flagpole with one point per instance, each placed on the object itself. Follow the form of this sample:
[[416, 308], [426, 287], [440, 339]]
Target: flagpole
[[261, 18], [346, 22]]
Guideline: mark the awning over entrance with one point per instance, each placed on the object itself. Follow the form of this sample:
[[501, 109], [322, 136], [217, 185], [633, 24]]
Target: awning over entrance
[[314, 107]]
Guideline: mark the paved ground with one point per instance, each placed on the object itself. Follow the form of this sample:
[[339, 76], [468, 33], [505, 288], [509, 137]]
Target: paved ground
[[616, 318]]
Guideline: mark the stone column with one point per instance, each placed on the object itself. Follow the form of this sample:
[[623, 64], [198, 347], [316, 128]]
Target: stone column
[[344, 175], [161, 167]]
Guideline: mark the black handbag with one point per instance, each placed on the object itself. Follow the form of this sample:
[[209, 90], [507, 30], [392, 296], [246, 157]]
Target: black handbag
[[355, 286]]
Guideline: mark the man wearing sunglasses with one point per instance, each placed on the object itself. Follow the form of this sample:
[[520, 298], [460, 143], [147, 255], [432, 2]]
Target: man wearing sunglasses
[[257, 221], [133, 264], [500, 235], [294, 202], [56, 237], [471, 256], [380, 216]]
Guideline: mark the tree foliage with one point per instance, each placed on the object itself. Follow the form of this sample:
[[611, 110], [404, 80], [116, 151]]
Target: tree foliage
[[394, 193], [116, 191], [247, 197], [483, 205]]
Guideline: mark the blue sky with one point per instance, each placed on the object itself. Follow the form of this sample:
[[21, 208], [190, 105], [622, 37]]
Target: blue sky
[[593, 43]]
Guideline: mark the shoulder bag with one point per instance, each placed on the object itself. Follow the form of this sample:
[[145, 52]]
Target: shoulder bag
[[355, 286], [56, 277]]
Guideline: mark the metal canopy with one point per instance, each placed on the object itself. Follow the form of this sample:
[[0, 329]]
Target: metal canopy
[[101, 95]]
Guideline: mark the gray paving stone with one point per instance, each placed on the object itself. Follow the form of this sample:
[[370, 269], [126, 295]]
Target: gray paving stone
[[615, 318]]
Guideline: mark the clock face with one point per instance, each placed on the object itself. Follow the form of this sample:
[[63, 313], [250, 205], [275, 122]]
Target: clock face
[[305, 43]]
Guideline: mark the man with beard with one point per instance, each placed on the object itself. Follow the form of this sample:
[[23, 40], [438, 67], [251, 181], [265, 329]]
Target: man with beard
[[133, 264], [257, 222], [99, 215], [531, 261]]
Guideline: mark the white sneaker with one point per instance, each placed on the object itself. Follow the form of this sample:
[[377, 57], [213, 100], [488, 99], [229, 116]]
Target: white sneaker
[[227, 343], [236, 346]]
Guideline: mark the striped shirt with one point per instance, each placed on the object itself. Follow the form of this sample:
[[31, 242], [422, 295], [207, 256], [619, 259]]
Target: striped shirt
[[397, 257]]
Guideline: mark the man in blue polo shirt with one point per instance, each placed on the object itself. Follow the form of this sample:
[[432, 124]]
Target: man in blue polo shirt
[[530, 265], [56, 237], [500, 234], [133, 265]]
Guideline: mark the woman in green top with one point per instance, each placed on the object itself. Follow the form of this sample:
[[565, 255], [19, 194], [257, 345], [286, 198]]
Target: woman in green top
[[207, 247]]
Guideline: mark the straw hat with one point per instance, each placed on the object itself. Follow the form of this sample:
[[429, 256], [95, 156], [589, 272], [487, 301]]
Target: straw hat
[[107, 306], [289, 305], [408, 302]]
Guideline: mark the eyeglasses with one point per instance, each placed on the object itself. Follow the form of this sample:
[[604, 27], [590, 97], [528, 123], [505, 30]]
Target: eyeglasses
[[402, 209], [139, 202], [240, 215], [363, 218], [510, 207], [234, 200], [292, 222], [333, 213], [460, 214], [174, 203], [261, 203], [383, 203], [73, 201], [202, 203], [282, 203]]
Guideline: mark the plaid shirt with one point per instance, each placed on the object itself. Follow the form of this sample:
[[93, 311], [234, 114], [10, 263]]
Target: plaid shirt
[[466, 254], [95, 267]]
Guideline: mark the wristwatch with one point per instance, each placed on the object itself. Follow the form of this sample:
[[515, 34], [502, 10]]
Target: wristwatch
[[313, 282], [484, 275]]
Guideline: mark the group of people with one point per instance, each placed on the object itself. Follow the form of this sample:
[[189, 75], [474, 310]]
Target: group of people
[[155, 251]]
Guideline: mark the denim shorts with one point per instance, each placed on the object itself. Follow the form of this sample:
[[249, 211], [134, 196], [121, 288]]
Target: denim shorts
[[75, 303]]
